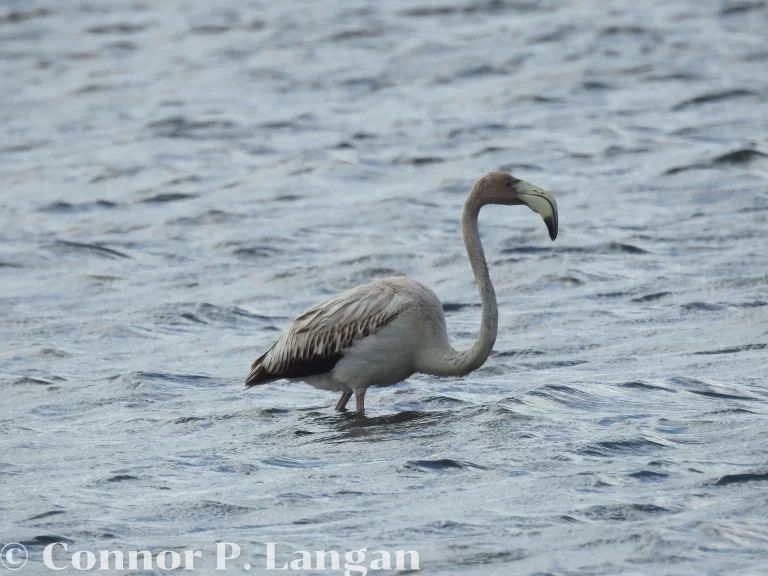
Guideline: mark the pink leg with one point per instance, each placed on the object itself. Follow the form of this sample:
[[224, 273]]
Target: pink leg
[[360, 401], [341, 405]]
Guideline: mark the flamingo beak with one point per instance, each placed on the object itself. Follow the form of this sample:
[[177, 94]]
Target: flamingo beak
[[540, 201]]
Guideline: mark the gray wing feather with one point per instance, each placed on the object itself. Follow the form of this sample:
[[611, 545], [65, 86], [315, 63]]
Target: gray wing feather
[[316, 340]]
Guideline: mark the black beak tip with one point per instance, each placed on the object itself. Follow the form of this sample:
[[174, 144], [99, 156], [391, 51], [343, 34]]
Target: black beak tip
[[552, 227]]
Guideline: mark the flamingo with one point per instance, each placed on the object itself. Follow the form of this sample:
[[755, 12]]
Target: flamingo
[[380, 333]]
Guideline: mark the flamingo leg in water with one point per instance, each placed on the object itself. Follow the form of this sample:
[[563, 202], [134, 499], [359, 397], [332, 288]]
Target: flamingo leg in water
[[341, 405], [360, 402]]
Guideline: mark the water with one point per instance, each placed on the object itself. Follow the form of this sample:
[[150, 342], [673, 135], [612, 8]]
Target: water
[[180, 179]]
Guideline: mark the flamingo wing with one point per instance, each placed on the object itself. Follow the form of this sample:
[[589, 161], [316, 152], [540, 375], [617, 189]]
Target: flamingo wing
[[316, 340]]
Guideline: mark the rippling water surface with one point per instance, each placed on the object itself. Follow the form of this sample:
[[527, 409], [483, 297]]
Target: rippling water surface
[[181, 178]]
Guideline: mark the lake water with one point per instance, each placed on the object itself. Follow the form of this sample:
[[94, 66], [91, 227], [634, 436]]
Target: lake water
[[180, 179]]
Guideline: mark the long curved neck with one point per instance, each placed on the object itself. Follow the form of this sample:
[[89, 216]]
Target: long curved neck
[[447, 361]]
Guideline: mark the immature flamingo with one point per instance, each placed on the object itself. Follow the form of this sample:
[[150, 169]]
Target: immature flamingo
[[380, 333]]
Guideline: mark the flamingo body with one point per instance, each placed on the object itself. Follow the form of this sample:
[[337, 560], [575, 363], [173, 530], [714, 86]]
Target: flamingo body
[[371, 335]]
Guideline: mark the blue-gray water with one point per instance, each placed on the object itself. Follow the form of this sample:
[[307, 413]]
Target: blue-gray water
[[179, 179]]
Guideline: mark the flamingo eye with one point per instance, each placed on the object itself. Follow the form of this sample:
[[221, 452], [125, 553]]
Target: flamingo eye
[[509, 183]]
